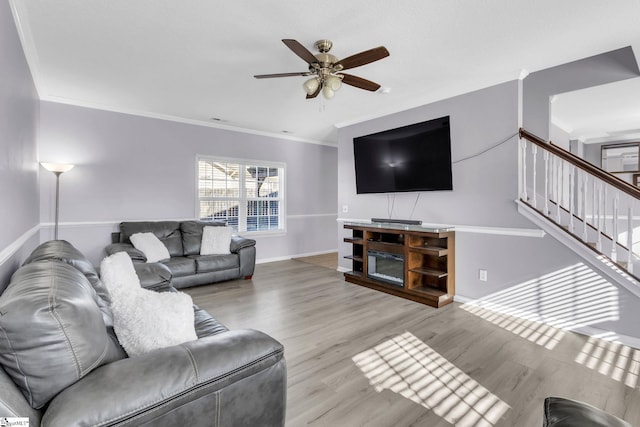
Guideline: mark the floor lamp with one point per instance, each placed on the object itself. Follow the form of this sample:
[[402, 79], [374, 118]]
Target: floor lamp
[[57, 169]]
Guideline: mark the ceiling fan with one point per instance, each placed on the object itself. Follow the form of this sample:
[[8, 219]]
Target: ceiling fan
[[326, 69]]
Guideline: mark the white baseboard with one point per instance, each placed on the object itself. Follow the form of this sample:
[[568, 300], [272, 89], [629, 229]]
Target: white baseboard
[[288, 257]]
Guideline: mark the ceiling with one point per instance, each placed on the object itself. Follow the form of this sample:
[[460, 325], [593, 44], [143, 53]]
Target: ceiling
[[194, 60], [603, 113]]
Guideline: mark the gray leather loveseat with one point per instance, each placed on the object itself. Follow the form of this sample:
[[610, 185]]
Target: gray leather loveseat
[[182, 238], [62, 365]]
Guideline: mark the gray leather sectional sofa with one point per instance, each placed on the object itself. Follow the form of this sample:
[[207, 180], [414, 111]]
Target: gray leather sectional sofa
[[186, 266], [62, 365]]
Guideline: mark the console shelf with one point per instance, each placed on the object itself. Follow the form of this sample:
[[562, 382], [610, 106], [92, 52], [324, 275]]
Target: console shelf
[[426, 257]]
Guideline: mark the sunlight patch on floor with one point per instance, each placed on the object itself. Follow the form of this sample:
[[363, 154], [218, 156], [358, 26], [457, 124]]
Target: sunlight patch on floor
[[568, 298], [607, 357], [535, 332], [407, 366]]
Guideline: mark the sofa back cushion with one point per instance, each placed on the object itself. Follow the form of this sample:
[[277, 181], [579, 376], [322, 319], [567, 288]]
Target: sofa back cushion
[[51, 330], [192, 234], [63, 251], [167, 231]]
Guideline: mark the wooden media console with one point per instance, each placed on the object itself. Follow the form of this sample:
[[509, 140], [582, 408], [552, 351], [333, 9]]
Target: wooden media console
[[408, 261]]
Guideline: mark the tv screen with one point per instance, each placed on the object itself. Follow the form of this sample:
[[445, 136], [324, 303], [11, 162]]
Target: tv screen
[[411, 158]]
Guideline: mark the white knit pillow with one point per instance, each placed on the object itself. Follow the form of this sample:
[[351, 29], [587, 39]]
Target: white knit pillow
[[216, 240], [150, 245], [145, 320]]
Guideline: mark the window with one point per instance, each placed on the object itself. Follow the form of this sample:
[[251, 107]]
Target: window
[[248, 195]]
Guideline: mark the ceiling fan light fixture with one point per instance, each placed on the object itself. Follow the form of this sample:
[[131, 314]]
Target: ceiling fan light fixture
[[334, 82], [311, 85], [327, 91]]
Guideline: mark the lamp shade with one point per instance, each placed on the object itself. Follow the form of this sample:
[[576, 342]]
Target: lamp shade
[[311, 86], [333, 82], [327, 92], [57, 167]]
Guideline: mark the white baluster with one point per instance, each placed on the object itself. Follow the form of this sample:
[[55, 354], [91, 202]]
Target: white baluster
[[523, 144], [534, 153], [604, 209], [546, 182], [593, 203], [599, 222], [630, 241], [558, 190], [585, 186], [572, 171], [614, 237]]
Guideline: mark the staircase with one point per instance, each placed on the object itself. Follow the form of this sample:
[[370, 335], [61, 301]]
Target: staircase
[[585, 208]]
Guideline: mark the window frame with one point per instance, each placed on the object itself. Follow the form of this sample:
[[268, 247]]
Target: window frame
[[243, 199]]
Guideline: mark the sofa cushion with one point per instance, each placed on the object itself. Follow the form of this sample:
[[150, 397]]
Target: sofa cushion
[[145, 320], [167, 231], [216, 240], [192, 234], [152, 248], [51, 330], [180, 266], [209, 263], [63, 251]]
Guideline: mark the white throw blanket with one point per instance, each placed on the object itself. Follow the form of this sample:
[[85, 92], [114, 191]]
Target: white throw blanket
[[145, 320]]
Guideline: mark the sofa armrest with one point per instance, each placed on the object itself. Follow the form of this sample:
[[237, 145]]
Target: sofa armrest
[[239, 242], [154, 276], [135, 254], [198, 377], [13, 403]]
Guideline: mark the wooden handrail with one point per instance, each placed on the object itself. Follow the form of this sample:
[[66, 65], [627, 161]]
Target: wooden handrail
[[612, 180]]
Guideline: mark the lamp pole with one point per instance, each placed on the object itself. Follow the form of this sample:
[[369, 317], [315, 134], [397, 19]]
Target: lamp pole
[[57, 174], [57, 169]]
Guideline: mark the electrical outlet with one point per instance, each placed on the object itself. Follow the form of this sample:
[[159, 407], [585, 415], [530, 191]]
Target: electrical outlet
[[482, 275], [345, 208]]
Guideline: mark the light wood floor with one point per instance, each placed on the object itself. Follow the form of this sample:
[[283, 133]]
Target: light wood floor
[[358, 357]]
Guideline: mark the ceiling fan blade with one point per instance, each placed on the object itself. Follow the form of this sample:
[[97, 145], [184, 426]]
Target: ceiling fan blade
[[314, 94], [359, 82], [269, 76], [362, 58], [301, 51]]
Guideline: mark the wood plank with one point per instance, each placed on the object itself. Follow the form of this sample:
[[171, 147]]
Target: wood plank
[[326, 325]]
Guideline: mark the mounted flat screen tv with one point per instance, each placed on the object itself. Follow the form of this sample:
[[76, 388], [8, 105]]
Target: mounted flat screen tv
[[410, 158]]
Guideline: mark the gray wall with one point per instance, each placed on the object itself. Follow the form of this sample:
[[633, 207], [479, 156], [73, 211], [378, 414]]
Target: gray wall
[[484, 187], [18, 149], [492, 234], [608, 67], [138, 168]]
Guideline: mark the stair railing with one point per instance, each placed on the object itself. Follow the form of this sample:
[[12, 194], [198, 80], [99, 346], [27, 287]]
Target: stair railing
[[590, 204]]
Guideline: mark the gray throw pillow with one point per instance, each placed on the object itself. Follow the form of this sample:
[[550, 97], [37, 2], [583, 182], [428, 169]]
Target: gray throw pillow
[[51, 330]]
